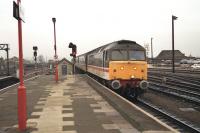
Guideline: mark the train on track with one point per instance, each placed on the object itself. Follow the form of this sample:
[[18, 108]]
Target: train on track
[[120, 65]]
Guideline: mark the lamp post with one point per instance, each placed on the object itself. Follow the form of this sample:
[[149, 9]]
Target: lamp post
[[173, 66], [55, 56], [21, 89]]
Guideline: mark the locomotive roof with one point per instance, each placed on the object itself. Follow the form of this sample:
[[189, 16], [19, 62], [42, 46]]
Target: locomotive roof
[[117, 45]]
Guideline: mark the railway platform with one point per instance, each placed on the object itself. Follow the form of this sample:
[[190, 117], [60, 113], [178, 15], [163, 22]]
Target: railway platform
[[71, 106]]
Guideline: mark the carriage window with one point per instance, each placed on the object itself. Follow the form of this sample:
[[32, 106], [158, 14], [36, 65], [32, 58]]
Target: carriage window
[[119, 55], [136, 55]]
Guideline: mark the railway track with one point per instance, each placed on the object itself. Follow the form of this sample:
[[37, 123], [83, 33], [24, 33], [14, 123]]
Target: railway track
[[9, 81], [185, 79], [174, 87], [176, 70], [170, 119], [175, 93]]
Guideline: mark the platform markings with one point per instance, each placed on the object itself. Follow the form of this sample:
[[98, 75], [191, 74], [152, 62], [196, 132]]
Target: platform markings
[[133, 131], [71, 131], [67, 109], [110, 126], [68, 114], [51, 112], [38, 107]]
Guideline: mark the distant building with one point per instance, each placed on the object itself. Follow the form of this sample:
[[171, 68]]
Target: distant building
[[166, 56]]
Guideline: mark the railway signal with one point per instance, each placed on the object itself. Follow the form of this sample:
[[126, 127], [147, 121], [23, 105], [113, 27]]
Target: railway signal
[[73, 54], [35, 48], [73, 46]]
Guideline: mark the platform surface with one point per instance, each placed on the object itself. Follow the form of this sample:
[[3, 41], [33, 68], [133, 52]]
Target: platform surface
[[69, 106]]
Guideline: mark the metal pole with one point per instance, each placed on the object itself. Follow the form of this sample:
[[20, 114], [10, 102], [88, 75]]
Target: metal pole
[[152, 49], [35, 66], [21, 89], [55, 37], [74, 66], [8, 71], [173, 70], [56, 57], [173, 57]]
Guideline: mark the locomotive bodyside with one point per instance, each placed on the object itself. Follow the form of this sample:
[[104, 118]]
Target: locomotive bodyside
[[121, 65]]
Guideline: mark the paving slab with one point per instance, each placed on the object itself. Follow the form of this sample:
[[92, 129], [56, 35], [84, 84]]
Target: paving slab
[[69, 106]]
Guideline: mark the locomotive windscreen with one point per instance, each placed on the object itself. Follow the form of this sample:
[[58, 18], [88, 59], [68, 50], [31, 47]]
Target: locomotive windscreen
[[124, 55], [136, 55], [119, 55]]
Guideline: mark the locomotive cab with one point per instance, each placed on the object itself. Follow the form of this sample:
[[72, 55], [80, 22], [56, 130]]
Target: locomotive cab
[[128, 70]]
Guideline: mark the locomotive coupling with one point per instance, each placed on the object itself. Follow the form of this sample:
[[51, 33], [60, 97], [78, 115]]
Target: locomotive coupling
[[115, 84], [144, 84]]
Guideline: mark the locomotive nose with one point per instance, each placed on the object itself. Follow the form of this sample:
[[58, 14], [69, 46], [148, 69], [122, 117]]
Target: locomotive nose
[[115, 84], [144, 85]]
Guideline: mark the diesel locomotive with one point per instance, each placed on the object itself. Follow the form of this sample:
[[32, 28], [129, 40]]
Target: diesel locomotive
[[120, 65]]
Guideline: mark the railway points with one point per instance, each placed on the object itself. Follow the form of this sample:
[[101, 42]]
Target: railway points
[[73, 106]]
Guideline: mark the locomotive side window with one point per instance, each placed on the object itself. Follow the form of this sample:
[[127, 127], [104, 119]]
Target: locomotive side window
[[119, 55], [98, 59], [106, 59], [90, 59], [82, 60], [136, 55]]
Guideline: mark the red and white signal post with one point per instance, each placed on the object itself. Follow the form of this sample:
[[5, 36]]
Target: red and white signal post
[[22, 116]]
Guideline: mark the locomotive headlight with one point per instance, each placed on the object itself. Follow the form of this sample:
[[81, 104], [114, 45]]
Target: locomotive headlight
[[132, 76], [122, 68]]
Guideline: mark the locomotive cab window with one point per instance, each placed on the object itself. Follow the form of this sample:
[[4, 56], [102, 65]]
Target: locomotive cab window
[[136, 55], [119, 55]]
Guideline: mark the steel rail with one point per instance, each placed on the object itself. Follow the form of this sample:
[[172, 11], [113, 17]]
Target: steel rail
[[169, 117]]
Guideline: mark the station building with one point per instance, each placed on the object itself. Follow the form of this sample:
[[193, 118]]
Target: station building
[[64, 67]]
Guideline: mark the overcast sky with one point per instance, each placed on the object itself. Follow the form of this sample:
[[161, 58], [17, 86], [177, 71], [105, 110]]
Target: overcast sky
[[92, 23]]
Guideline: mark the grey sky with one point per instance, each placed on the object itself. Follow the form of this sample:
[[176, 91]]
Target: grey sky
[[91, 23]]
